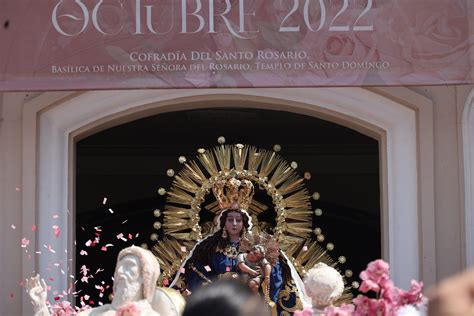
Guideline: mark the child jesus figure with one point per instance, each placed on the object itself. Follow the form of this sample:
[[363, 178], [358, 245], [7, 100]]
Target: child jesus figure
[[254, 265]]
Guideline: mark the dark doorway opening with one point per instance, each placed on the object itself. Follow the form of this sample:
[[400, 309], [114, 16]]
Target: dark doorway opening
[[127, 164]]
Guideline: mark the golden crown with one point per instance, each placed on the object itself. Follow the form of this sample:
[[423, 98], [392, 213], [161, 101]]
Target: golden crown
[[233, 193]]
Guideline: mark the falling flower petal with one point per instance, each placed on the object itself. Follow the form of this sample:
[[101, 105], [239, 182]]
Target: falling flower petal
[[24, 242], [104, 201], [56, 230]]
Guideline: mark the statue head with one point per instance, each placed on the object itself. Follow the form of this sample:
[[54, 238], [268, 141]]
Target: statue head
[[324, 285], [137, 269], [234, 221]]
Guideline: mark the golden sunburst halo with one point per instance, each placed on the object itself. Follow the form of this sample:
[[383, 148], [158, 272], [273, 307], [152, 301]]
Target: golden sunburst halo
[[269, 172]]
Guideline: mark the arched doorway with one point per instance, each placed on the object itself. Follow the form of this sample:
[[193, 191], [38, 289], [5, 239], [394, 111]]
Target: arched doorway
[[128, 163], [63, 118]]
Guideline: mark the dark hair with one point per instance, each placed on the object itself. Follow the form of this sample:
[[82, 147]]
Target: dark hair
[[228, 298], [202, 255]]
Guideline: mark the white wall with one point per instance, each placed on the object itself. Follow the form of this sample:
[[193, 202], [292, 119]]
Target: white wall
[[10, 203]]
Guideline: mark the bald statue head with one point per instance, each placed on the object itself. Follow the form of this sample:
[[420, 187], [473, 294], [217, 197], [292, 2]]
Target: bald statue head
[[136, 274]]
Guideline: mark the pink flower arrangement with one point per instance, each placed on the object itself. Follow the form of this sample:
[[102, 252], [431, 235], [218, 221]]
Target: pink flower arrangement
[[343, 310], [129, 310], [389, 299]]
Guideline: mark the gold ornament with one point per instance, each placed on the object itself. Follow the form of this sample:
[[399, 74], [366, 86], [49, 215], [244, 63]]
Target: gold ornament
[[233, 193], [170, 173], [221, 140], [231, 251], [226, 165]]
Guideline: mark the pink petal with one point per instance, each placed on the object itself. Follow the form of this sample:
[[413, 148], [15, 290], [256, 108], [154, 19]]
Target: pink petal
[[24, 242]]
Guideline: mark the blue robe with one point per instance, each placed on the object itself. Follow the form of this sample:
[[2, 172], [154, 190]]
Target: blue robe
[[221, 264]]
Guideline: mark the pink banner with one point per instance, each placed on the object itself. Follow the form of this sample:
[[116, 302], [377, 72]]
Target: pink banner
[[125, 44]]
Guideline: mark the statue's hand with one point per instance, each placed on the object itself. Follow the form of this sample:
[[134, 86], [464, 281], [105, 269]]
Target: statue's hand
[[37, 290]]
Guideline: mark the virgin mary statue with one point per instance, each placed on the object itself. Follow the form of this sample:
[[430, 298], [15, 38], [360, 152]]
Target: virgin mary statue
[[217, 256]]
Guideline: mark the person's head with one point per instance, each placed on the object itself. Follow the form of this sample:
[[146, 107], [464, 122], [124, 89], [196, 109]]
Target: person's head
[[234, 222], [256, 253], [137, 271], [229, 298]]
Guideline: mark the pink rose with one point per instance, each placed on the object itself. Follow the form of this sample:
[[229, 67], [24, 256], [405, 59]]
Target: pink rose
[[305, 312], [370, 306], [411, 297], [387, 290], [339, 52], [362, 305], [369, 285], [343, 310], [381, 308], [424, 41], [376, 271]]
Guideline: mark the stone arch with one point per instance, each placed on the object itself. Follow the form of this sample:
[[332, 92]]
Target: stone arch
[[62, 118]]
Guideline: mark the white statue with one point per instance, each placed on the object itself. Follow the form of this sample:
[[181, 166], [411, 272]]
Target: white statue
[[135, 279], [323, 285]]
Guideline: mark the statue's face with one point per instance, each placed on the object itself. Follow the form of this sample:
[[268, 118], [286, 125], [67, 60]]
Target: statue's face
[[128, 270], [234, 223], [254, 256]]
